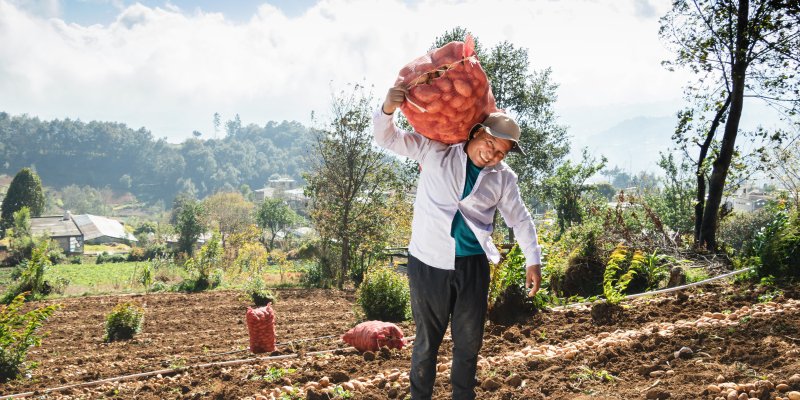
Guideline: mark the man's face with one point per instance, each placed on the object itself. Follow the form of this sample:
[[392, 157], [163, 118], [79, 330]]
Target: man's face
[[486, 150]]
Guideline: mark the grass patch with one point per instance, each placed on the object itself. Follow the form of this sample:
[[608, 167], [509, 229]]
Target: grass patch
[[696, 275], [111, 248]]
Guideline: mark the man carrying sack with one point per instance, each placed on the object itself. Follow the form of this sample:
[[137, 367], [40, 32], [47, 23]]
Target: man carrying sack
[[460, 187]]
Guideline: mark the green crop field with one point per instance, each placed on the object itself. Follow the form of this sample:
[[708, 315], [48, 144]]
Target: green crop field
[[92, 279]]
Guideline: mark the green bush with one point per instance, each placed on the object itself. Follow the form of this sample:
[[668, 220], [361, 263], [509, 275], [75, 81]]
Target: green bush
[[18, 334], [780, 252], [623, 274], [31, 279], [75, 260], [258, 292], [315, 276], [740, 230], [124, 321], [104, 257], [384, 295]]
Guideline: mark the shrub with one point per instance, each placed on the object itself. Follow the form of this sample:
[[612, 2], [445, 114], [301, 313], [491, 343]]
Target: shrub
[[104, 257], [316, 277], [384, 295], [136, 254], [31, 278], [780, 253], [258, 292], [124, 321], [508, 299], [205, 267], [576, 264], [740, 230], [623, 273], [75, 260], [18, 334]]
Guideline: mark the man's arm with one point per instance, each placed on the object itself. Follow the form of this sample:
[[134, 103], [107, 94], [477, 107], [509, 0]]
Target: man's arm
[[389, 136], [517, 217]]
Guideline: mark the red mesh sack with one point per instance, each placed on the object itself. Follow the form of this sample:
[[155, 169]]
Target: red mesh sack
[[261, 327], [448, 92], [372, 335]]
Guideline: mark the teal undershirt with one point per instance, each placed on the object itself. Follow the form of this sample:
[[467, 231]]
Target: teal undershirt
[[466, 242]]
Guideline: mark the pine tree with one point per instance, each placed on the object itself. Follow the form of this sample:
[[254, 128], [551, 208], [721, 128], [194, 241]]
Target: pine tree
[[25, 191]]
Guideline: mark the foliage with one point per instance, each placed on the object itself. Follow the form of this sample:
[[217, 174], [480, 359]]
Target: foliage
[[104, 258], [785, 169], [780, 251], [32, 278], [576, 261], [275, 216], [123, 159], [18, 333], [258, 292], [317, 275], [624, 266], [673, 204], [189, 219], [347, 184], [229, 212], [742, 230], [25, 191], [510, 272], [205, 268], [508, 298], [565, 188], [384, 295], [124, 321], [86, 199], [735, 49], [274, 374]]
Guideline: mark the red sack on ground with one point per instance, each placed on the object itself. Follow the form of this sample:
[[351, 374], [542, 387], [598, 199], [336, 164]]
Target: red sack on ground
[[261, 327], [372, 335], [448, 92]]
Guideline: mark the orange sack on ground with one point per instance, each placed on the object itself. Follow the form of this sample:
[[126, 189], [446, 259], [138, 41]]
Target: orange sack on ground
[[261, 327], [448, 92], [372, 335]]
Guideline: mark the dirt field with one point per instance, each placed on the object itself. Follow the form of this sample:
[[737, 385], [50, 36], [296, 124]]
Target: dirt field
[[554, 355]]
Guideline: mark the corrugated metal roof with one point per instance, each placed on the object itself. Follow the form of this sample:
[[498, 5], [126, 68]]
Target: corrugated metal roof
[[55, 226], [94, 226]]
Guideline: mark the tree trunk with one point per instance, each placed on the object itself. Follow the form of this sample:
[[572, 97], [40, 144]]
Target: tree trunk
[[701, 178], [716, 184]]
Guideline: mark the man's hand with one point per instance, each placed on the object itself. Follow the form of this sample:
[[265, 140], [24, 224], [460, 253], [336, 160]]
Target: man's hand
[[533, 274], [394, 98]]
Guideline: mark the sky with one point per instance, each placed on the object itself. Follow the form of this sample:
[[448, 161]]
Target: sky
[[168, 66]]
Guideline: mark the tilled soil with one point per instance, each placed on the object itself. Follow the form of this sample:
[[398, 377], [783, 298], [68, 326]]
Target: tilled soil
[[183, 332]]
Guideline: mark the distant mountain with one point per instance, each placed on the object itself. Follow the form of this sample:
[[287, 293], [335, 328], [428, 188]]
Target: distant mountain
[[633, 144]]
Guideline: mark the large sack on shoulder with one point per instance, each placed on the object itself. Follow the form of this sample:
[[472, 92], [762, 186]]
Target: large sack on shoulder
[[448, 92], [261, 327], [372, 335]]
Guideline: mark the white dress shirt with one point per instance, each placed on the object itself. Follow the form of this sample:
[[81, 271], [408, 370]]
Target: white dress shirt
[[441, 183]]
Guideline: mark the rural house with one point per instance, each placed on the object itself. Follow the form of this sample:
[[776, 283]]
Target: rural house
[[61, 229], [100, 230]]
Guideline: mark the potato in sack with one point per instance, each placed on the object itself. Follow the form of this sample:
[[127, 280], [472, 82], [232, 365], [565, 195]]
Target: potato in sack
[[372, 335], [261, 328], [448, 92]]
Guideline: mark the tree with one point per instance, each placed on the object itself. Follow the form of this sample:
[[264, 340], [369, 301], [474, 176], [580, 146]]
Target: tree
[[229, 211], [189, 220], [25, 191], [348, 182], [738, 49], [275, 215], [566, 187]]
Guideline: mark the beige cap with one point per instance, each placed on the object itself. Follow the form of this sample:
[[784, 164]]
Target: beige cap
[[501, 126]]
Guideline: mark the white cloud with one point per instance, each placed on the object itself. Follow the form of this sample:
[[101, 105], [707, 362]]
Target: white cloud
[[169, 70]]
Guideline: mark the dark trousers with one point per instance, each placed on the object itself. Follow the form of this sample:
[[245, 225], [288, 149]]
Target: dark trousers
[[440, 296]]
